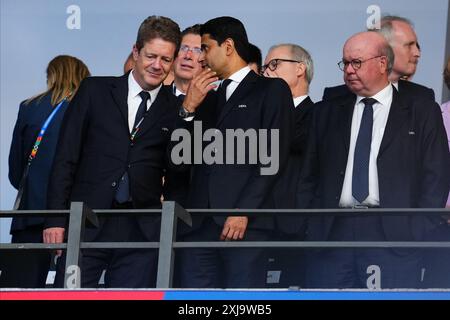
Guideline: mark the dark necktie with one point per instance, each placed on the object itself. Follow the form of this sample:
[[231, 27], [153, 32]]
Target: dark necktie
[[181, 97], [222, 95], [360, 179], [123, 187], [145, 96]]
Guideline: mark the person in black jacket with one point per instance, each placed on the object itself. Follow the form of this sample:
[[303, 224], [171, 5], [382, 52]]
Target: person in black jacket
[[64, 74], [112, 153], [399, 33], [371, 148], [293, 64], [245, 101]]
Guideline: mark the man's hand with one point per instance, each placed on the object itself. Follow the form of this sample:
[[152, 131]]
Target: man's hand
[[234, 228], [54, 235], [198, 88]]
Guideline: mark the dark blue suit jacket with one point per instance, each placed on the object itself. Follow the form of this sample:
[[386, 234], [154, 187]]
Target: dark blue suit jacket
[[286, 189], [29, 121], [94, 151], [413, 164], [257, 103]]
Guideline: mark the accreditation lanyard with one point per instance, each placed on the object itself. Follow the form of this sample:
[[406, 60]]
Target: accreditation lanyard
[[137, 127], [33, 154], [42, 131]]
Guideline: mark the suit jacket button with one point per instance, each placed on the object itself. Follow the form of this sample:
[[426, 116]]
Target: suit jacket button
[[131, 144], [341, 173], [113, 184]]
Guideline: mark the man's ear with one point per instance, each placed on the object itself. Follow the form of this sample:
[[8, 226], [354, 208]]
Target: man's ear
[[301, 69], [383, 64], [229, 46], [135, 52]]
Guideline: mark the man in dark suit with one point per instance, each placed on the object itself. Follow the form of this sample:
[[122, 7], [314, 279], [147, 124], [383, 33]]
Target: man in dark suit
[[293, 64], [112, 153], [248, 102], [399, 33], [371, 148]]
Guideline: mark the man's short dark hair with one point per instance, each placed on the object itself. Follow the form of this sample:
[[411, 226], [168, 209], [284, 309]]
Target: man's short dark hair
[[158, 27], [254, 55], [195, 29], [222, 28]]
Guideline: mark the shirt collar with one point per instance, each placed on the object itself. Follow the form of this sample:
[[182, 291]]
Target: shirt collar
[[299, 100], [176, 91], [239, 75], [134, 88], [383, 97], [395, 84]]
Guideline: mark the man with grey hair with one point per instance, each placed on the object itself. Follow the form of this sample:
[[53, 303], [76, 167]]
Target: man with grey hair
[[372, 148], [400, 34], [293, 64]]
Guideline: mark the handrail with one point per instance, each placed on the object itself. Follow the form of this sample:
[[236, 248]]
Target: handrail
[[171, 212]]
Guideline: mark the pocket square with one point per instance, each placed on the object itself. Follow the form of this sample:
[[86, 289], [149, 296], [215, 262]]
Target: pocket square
[[164, 129], [242, 106]]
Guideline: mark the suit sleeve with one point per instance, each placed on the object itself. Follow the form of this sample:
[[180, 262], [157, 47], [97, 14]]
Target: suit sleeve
[[17, 160], [278, 114], [301, 131], [68, 151], [309, 173], [435, 177]]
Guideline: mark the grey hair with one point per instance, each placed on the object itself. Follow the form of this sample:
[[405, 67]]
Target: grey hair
[[386, 29], [299, 54], [386, 50]]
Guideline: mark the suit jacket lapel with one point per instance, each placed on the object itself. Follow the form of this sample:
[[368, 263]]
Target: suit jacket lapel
[[241, 91], [346, 108], [155, 111], [119, 91], [397, 116]]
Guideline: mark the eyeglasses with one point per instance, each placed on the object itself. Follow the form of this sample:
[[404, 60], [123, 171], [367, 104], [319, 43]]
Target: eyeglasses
[[273, 64], [185, 49], [356, 63]]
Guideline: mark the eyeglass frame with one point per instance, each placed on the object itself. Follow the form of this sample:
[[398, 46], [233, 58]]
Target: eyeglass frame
[[195, 50], [343, 64], [277, 60]]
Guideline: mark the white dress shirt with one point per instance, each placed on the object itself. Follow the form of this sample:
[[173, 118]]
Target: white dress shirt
[[134, 99], [380, 116], [236, 78], [299, 100]]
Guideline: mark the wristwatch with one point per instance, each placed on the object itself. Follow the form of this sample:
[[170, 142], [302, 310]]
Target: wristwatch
[[184, 113]]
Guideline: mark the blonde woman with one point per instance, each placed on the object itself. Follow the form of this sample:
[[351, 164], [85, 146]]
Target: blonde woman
[[30, 160]]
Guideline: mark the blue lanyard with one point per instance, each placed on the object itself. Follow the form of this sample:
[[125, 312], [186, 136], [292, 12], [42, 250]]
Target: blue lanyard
[[42, 131]]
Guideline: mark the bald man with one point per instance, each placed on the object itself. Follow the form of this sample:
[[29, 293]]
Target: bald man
[[371, 149], [400, 34]]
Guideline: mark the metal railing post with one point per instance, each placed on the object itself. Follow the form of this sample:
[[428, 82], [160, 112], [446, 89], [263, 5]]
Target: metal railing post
[[170, 212], [77, 217]]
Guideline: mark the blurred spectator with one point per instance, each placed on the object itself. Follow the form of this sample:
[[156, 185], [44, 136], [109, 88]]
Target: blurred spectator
[[30, 161]]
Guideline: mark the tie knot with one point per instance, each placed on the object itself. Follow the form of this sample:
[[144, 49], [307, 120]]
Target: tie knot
[[369, 101], [225, 84], [144, 95]]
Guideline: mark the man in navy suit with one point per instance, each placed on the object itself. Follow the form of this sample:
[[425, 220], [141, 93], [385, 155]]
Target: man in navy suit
[[244, 101], [112, 153], [399, 33], [293, 64], [371, 148]]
